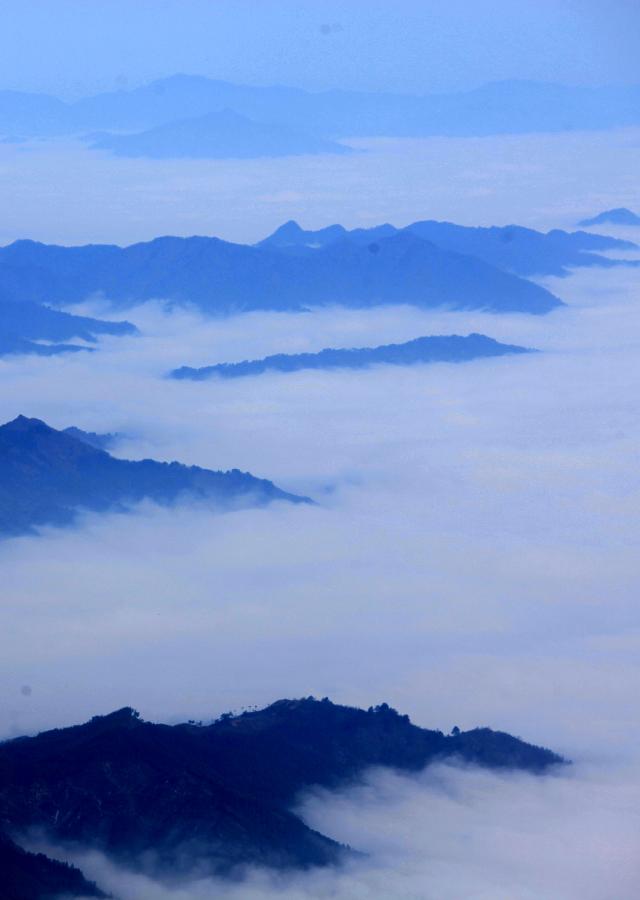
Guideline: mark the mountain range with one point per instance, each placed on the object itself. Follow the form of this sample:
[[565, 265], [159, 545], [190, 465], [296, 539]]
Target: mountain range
[[522, 251], [216, 135], [172, 800], [619, 216], [506, 107], [219, 277], [47, 476], [426, 263], [24, 325], [436, 348]]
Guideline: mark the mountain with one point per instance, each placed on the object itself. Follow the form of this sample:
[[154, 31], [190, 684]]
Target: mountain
[[440, 348], [522, 251], [22, 323], [212, 798], [27, 114], [217, 135], [46, 476], [34, 876], [99, 441], [619, 216], [506, 107], [222, 278]]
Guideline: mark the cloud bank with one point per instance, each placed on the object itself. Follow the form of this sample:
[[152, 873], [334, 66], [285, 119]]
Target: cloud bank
[[472, 560]]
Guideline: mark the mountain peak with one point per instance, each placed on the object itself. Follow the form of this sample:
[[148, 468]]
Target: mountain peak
[[289, 228], [618, 216], [24, 423]]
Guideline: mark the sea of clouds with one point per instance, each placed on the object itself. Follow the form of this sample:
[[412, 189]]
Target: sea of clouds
[[471, 560]]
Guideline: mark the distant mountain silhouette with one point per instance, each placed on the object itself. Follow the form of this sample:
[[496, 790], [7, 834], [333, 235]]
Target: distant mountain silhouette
[[217, 135], [220, 277], [99, 441], [619, 216], [512, 248], [506, 107], [34, 876], [178, 798], [22, 324], [440, 348], [46, 476]]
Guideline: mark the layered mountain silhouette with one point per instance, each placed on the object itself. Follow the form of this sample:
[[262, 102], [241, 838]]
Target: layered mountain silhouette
[[507, 107], [215, 798], [46, 476], [25, 325], [220, 277], [217, 135], [522, 251], [34, 876], [99, 441], [619, 216], [436, 348]]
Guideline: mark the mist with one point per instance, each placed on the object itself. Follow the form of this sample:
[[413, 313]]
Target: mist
[[471, 558], [62, 192], [450, 832]]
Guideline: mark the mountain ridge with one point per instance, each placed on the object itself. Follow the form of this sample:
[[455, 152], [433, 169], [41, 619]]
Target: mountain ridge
[[618, 216], [47, 476], [434, 348], [502, 107], [513, 248], [23, 324], [216, 798], [220, 277], [216, 135]]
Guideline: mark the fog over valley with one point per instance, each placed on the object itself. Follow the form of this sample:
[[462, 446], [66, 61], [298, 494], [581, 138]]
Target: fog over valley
[[319, 437]]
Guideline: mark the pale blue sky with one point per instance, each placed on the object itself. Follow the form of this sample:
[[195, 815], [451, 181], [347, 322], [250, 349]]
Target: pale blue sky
[[75, 47]]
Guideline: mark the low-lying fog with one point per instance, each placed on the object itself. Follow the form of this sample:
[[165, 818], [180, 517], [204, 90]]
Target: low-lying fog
[[62, 192], [472, 559]]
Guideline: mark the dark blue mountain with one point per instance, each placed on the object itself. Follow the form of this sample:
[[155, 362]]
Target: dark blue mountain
[[34, 876], [23, 324], [217, 797], [437, 348], [512, 248], [217, 135], [46, 476], [619, 216], [222, 278], [508, 107]]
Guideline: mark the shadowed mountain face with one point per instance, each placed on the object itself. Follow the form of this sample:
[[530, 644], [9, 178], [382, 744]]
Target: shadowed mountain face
[[219, 796], [46, 476], [619, 216], [218, 135], [222, 278], [507, 107], [512, 248], [34, 876], [450, 348], [24, 323]]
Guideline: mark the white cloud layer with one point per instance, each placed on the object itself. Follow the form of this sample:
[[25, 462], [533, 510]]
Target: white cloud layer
[[447, 834], [472, 560], [61, 192]]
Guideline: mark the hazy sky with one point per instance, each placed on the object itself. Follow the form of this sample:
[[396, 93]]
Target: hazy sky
[[73, 47]]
